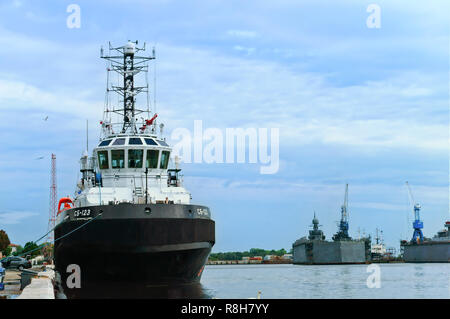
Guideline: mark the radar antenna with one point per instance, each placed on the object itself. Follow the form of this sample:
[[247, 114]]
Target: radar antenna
[[127, 65]]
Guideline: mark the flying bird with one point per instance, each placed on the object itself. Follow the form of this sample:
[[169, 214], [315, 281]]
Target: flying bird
[[46, 118], [40, 157]]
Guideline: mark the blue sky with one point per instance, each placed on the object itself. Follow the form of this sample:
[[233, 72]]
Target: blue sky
[[368, 107]]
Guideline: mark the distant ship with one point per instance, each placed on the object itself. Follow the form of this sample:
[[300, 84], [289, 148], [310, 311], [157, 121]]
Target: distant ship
[[142, 227], [436, 249], [378, 250], [423, 250], [343, 249]]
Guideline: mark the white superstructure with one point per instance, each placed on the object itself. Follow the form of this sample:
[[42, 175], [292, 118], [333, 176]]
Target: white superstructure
[[130, 163], [130, 169], [379, 247]]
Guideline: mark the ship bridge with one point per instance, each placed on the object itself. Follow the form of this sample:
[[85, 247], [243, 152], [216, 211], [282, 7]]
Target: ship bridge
[[133, 169], [133, 154], [131, 162]]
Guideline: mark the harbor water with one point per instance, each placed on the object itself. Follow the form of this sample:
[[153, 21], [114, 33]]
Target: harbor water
[[287, 281], [397, 280]]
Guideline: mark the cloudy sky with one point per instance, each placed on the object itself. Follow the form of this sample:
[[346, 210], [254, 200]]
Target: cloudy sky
[[357, 105]]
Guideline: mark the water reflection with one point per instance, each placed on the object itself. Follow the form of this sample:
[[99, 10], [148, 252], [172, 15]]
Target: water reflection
[[418, 271], [345, 277], [136, 291]]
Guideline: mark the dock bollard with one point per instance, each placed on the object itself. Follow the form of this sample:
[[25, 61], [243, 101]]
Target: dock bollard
[[26, 276]]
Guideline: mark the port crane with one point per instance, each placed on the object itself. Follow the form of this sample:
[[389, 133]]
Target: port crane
[[417, 224], [342, 233]]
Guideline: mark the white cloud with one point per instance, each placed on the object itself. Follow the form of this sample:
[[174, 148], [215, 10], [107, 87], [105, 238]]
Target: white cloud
[[244, 49], [403, 110], [20, 95], [228, 91], [370, 133], [18, 42], [379, 206], [11, 217], [17, 3], [246, 34]]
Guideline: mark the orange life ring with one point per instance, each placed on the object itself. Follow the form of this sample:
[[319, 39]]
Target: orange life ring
[[67, 204]]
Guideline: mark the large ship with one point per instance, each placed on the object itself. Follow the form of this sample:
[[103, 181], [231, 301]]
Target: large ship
[[378, 249], [421, 249], [315, 250], [429, 250], [130, 220]]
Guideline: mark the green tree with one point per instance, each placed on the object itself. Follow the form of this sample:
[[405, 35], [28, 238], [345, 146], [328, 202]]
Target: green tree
[[18, 251], [257, 252], [4, 241], [237, 255], [7, 251], [32, 248], [47, 251]]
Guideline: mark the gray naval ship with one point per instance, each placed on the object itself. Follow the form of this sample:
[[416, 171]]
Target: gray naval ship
[[425, 250], [315, 250], [428, 250], [142, 227]]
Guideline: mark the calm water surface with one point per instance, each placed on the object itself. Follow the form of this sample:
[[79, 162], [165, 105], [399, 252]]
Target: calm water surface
[[334, 281], [291, 282]]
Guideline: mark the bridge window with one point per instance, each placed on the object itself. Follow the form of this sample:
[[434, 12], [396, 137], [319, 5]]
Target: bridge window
[[118, 158], [164, 159], [152, 158], [103, 159], [119, 141], [105, 143], [163, 143], [150, 141], [135, 141], [135, 158]]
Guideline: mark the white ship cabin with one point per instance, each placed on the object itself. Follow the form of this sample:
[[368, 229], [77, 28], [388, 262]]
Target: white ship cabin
[[132, 169], [378, 249]]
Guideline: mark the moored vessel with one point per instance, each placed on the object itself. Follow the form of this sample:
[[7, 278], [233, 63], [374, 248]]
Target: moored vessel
[[131, 220], [421, 249], [429, 250], [315, 250], [378, 249]]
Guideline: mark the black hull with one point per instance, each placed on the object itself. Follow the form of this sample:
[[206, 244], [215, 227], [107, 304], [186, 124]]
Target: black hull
[[127, 248]]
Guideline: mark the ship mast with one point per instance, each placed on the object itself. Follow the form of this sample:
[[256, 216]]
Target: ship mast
[[127, 65]]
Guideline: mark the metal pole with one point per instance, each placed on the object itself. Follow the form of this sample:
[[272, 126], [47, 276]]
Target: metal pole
[[146, 192]]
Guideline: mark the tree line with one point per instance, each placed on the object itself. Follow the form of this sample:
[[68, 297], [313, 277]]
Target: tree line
[[6, 249], [253, 252]]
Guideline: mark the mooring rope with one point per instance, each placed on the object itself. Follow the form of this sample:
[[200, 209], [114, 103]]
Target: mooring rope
[[47, 243]]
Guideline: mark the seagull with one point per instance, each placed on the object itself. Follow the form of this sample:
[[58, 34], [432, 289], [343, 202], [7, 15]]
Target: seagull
[[39, 158], [46, 118]]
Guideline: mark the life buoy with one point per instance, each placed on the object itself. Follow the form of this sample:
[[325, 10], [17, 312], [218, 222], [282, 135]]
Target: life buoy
[[68, 204]]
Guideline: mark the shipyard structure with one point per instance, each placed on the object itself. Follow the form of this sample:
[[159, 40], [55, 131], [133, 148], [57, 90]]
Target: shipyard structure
[[315, 250], [425, 250], [429, 250]]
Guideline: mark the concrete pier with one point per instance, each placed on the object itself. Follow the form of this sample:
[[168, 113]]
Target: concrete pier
[[12, 284], [41, 286]]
